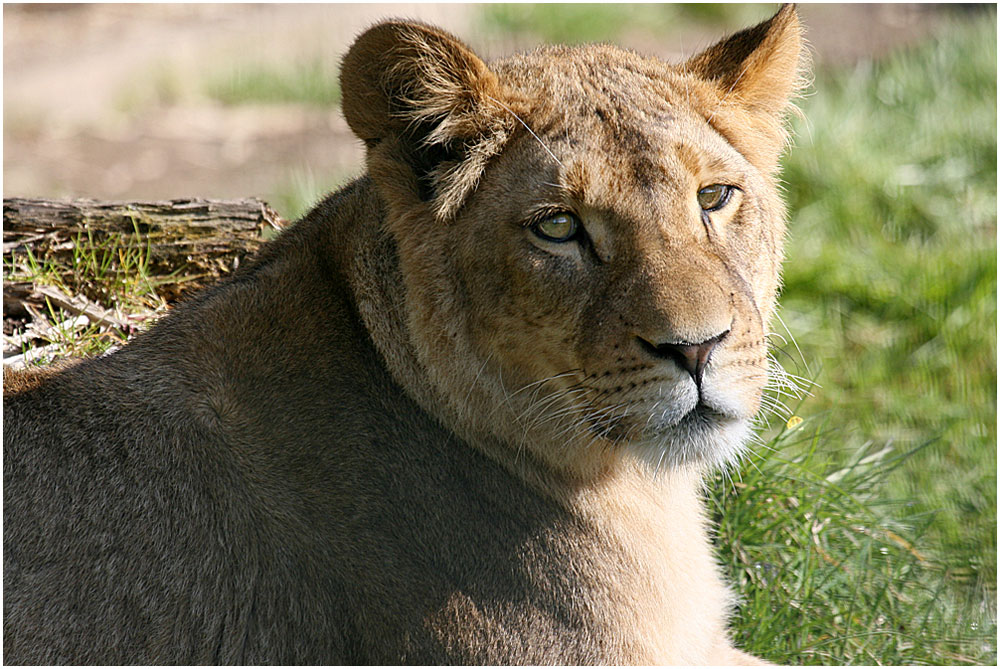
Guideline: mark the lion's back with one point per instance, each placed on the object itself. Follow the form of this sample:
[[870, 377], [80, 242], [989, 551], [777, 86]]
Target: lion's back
[[133, 532]]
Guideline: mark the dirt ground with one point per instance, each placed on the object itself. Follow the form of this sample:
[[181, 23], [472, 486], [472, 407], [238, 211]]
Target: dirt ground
[[83, 118]]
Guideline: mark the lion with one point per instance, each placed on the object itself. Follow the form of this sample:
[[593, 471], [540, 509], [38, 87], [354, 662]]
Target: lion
[[461, 412]]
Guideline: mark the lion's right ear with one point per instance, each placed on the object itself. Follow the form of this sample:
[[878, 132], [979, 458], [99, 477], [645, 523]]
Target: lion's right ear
[[433, 98]]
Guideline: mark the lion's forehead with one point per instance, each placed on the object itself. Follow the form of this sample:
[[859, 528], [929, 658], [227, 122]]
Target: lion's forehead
[[613, 140], [628, 117], [597, 79]]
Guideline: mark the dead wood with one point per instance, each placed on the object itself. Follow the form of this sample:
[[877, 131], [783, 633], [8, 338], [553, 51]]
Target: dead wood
[[186, 242]]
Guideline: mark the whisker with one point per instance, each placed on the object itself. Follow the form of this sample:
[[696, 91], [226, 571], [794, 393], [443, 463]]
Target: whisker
[[476, 380], [541, 381], [549, 151], [795, 344]]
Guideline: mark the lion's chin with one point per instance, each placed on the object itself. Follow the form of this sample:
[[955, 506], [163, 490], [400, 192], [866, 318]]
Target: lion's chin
[[703, 436]]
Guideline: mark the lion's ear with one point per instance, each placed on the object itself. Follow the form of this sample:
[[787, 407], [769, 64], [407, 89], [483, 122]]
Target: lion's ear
[[432, 99], [754, 75]]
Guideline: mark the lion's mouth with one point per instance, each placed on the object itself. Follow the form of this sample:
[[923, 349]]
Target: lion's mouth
[[702, 416], [703, 434], [628, 426]]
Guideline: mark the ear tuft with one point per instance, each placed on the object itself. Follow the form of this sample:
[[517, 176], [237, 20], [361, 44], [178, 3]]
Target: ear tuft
[[755, 74]]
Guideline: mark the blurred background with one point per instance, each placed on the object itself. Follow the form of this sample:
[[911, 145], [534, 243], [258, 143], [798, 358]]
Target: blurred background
[[889, 306], [172, 100]]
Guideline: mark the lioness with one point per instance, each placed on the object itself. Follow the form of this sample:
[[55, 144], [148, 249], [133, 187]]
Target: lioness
[[460, 412]]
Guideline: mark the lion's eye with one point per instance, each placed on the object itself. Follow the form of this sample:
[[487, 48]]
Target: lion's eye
[[557, 228], [714, 197]]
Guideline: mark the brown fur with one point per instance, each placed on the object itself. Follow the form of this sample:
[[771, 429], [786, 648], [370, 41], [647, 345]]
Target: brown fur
[[412, 430]]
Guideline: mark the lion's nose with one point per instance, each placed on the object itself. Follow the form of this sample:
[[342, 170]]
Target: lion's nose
[[691, 357]]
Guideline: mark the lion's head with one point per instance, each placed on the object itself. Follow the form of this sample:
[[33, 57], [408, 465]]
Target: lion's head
[[589, 239]]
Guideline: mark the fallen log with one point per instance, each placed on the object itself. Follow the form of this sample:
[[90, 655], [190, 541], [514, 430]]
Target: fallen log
[[185, 243]]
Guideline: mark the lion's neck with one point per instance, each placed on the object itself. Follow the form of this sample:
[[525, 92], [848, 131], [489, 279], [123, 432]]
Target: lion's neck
[[381, 295], [380, 292]]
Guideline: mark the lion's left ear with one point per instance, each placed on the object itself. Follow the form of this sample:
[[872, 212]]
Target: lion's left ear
[[427, 108], [753, 76]]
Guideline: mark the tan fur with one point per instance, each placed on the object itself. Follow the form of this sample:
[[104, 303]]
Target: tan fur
[[592, 543]]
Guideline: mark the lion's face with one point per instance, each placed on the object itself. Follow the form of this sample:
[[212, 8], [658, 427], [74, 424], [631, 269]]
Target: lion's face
[[607, 277], [609, 272]]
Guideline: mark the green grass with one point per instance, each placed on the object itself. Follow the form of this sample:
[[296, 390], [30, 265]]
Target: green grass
[[890, 292], [890, 282], [313, 83], [830, 570]]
